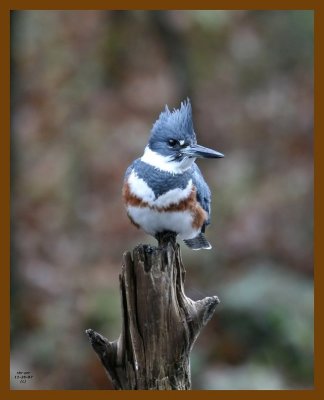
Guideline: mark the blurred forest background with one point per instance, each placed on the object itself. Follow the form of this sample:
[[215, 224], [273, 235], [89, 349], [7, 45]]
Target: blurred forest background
[[86, 89]]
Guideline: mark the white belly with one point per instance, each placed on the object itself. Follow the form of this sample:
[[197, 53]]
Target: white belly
[[152, 221]]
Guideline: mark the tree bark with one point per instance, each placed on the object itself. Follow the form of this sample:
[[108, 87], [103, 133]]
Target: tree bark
[[160, 323]]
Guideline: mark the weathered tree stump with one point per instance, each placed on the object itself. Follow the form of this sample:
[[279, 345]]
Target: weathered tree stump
[[160, 323]]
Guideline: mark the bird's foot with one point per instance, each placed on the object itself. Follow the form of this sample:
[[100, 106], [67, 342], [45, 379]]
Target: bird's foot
[[166, 237]]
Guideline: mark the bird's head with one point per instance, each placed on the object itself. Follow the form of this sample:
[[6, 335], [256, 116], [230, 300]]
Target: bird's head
[[173, 145]]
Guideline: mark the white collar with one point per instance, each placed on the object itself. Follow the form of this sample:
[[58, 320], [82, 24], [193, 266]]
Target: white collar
[[164, 163]]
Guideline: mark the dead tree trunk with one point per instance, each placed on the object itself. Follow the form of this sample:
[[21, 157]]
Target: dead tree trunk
[[160, 323]]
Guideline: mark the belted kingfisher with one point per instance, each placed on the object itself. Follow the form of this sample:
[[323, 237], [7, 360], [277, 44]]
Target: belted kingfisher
[[164, 190]]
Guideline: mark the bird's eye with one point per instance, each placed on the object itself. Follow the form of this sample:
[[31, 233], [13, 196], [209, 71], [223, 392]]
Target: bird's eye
[[172, 142]]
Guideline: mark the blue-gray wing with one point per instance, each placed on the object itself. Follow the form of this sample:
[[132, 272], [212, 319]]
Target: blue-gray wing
[[203, 192]]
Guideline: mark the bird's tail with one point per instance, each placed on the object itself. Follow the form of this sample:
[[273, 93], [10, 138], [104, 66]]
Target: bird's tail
[[198, 243]]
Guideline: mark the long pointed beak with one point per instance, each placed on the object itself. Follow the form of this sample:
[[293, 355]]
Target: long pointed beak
[[196, 150]]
